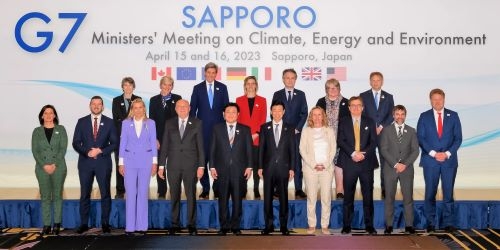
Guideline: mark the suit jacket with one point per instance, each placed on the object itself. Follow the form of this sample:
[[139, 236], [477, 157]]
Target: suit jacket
[[258, 117], [343, 107], [119, 111], [49, 153], [281, 157], [307, 149], [368, 142], [138, 152], [231, 162], [382, 116], [200, 107], [296, 110], [428, 138], [161, 114], [186, 153], [394, 152], [83, 141]]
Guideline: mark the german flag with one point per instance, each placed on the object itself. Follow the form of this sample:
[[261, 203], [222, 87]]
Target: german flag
[[236, 73]]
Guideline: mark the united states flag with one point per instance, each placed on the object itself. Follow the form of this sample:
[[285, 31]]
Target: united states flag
[[311, 73], [339, 73]]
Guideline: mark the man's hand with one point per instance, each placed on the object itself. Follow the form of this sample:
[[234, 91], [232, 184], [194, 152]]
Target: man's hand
[[213, 173], [400, 167], [248, 173], [200, 172]]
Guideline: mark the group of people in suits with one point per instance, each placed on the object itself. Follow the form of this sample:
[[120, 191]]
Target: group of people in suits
[[184, 142]]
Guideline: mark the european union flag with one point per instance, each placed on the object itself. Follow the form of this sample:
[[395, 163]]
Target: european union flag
[[186, 73]]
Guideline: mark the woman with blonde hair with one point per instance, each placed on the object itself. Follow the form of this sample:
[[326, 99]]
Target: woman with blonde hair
[[137, 163], [317, 148]]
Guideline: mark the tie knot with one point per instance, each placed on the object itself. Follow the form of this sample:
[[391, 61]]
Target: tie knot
[[400, 127], [439, 113], [231, 127]]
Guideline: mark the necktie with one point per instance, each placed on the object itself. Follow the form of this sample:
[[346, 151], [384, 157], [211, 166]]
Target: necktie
[[440, 125], [210, 95], [289, 96], [182, 128], [231, 135], [128, 105], [400, 134], [376, 100], [95, 129], [277, 135], [357, 140]]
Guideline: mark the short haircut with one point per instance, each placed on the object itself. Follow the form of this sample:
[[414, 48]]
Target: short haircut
[[277, 103], [398, 107], [48, 106], [436, 91], [129, 80], [333, 82], [167, 78], [211, 65], [291, 70], [96, 97], [376, 73], [353, 98], [231, 104]]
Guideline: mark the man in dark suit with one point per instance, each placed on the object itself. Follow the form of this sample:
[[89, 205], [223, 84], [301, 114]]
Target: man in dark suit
[[277, 157], [399, 147], [120, 109], [296, 115], [378, 105], [439, 133], [182, 154], [231, 166], [94, 140], [357, 140], [162, 108], [207, 102]]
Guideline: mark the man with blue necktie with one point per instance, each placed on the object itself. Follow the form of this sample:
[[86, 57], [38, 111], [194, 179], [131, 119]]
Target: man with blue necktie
[[439, 133]]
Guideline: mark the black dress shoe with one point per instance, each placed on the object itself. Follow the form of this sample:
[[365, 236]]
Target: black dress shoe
[[203, 196], [371, 230], [120, 196], [236, 232], [57, 228], [266, 231], [162, 197], [129, 233], [173, 230], [222, 232], [285, 231], [300, 195], [106, 229], [430, 229], [346, 230], [46, 230], [450, 229], [82, 229], [388, 230], [192, 231], [410, 230], [340, 196]]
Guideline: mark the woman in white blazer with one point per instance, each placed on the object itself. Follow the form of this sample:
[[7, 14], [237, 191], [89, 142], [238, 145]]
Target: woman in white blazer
[[317, 148]]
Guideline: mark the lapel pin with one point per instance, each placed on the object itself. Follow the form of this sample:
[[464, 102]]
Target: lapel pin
[[268, 127], [189, 122], [217, 88], [405, 130], [366, 128], [123, 104], [447, 114], [256, 105], [57, 132], [102, 124], [382, 97]]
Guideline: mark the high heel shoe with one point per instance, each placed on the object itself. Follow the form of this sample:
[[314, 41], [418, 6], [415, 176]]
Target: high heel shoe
[[46, 230], [57, 228]]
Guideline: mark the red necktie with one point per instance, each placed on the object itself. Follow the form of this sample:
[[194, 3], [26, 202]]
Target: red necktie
[[440, 125], [95, 129]]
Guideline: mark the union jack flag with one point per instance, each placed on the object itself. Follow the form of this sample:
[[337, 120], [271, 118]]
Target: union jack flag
[[311, 73]]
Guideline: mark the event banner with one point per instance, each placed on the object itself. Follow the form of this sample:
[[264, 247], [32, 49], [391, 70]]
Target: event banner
[[64, 52]]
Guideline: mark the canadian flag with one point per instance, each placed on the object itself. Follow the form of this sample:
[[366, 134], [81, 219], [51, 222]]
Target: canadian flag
[[155, 73]]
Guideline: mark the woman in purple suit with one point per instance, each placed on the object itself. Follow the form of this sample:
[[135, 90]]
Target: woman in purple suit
[[138, 162]]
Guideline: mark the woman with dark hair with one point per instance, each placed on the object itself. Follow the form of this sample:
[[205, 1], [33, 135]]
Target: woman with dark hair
[[48, 145]]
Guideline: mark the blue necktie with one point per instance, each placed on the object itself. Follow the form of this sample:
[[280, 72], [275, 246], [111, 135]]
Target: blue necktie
[[210, 95], [376, 100]]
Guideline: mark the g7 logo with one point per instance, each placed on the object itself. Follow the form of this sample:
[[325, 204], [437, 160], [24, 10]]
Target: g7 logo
[[48, 35]]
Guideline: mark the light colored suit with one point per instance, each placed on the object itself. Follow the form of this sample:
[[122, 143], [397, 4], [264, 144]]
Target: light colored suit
[[395, 152], [137, 153]]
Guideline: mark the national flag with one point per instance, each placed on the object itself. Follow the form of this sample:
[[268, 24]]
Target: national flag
[[218, 77], [255, 72], [236, 73], [155, 74], [186, 73], [267, 73], [339, 73], [311, 73]]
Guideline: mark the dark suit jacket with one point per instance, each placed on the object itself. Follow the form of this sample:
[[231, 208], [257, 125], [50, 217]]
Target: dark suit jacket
[[83, 141], [231, 162], [120, 113], [258, 117], [296, 110], [281, 157], [382, 116], [343, 107], [368, 142], [161, 114], [394, 152], [429, 140], [186, 153], [200, 107]]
